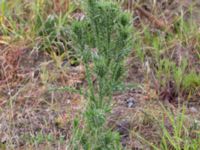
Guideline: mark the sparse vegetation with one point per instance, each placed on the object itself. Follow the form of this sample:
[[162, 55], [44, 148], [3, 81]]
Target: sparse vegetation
[[99, 74]]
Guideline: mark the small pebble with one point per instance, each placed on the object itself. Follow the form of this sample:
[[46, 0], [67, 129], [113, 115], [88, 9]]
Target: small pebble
[[130, 102]]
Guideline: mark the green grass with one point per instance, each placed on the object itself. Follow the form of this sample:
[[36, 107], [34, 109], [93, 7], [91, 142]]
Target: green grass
[[168, 56], [174, 133]]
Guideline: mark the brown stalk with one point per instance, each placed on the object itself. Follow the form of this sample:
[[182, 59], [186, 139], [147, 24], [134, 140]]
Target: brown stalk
[[158, 23]]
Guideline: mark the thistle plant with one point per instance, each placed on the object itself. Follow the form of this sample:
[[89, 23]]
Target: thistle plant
[[101, 39]]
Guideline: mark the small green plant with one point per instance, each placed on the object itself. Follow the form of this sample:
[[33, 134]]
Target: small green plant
[[185, 82], [38, 138], [102, 39]]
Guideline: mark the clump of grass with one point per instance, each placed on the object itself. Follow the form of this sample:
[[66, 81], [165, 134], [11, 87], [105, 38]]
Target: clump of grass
[[171, 59], [176, 133], [13, 20], [51, 29], [103, 39], [53, 34], [38, 23]]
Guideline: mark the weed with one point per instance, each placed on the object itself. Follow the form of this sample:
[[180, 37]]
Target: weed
[[103, 39]]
